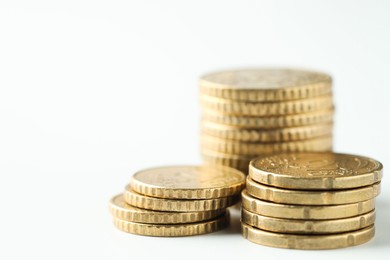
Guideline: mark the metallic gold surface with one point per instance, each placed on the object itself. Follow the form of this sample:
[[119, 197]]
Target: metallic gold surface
[[188, 182], [307, 212], [303, 197], [316, 171], [309, 242], [261, 135], [255, 149], [177, 205], [121, 210], [265, 84], [175, 230], [226, 106], [284, 225], [270, 122], [238, 162]]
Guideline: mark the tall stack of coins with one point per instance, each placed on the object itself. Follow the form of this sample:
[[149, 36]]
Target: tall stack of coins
[[177, 201], [310, 200], [257, 112]]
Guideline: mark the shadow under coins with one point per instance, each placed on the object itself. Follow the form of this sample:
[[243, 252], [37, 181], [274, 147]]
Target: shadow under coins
[[234, 227]]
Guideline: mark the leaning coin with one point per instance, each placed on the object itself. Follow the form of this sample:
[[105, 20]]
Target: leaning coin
[[314, 170], [173, 230], [309, 242], [308, 212], [177, 205], [188, 182], [284, 225], [303, 197], [121, 210]]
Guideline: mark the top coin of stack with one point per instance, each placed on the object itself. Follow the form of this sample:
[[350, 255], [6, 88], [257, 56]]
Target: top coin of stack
[[177, 200], [247, 113], [311, 200]]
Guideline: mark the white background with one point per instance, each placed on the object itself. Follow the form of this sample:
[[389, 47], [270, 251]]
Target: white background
[[91, 91]]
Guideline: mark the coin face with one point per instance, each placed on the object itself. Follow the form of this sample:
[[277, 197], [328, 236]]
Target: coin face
[[188, 182], [312, 170], [264, 78]]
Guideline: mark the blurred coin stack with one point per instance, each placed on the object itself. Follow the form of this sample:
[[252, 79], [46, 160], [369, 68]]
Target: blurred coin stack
[[177, 201], [310, 200], [256, 112]]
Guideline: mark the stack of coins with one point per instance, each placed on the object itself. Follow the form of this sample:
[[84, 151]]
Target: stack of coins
[[257, 112], [177, 201], [310, 200]]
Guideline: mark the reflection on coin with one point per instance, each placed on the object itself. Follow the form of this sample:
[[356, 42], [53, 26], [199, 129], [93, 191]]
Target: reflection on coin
[[121, 210], [309, 212], [174, 230], [309, 242], [311, 170], [303, 197], [283, 225], [188, 182], [177, 205], [265, 84]]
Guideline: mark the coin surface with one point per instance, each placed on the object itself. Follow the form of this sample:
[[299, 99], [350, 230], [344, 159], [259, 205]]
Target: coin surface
[[266, 136], [283, 225], [265, 84], [121, 210], [188, 182], [214, 158], [307, 212], [177, 205], [174, 230], [252, 149], [226, 106], [304, 197], [270, 122], [309, 242], [316, 170]]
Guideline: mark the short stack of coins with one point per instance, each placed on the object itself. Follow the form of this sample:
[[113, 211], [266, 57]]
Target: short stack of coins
[[310, 200], [177, 200], [257, 112]]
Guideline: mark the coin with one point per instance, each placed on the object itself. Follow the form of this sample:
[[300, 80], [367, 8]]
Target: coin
[[188, 182], [309, 242], [261, 135], [308, 212], [121, 210], [303, 197], [173, 230], [316, 170], [251, 149], [226, 106], [270, 122], [177, 205], [283, 225], [240, 163], [265, 84]]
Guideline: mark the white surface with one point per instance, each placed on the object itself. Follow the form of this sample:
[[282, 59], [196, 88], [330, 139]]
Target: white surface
[[91, 91]]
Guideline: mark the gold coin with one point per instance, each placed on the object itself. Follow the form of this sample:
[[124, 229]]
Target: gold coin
[[308, 212], [177, 205], [229, 107], [309, 242], [251, 149], [270, 122], [265, 84], [303, 197], [261, 135], [173, 230], [316, 171], [188, 182], [240, 163], [121, 210], [283, 225]]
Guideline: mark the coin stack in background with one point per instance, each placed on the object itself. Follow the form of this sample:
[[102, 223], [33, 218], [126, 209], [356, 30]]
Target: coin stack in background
[[177, 201], [255, 112], [310, 200]]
